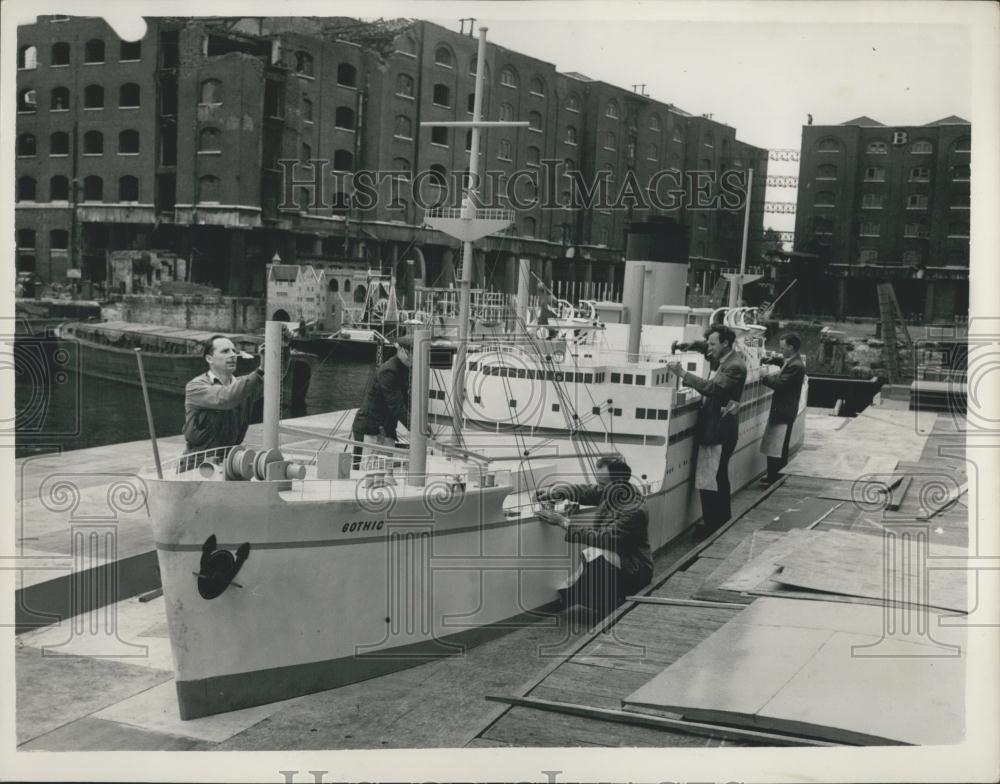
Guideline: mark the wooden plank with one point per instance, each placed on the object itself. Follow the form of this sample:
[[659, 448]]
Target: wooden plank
[[855, 565], [899, 494], [763, 566], [684, 602], [803, 514], [791, 666], [636, 719]]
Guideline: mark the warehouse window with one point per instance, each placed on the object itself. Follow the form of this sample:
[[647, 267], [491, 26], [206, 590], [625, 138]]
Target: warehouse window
[[344, 118], [404, 127], [343, 160], [877, 148], [26, 189], [826, 171], [439, 135], [923, 147], [442, 56], [59, 188], [93, 143], [347, 75], [209, 189], [442, 95], [211, 92], [508, 78], [26, 146], [611, 110], [93, 97], [535, 121], [25, 239], [404, 85], [570, 135], [303, 64], [93, 188], [307, 110], [27, 100], [128, 188], [829, 144], [960, 173], [504, 153], [128, 142], [654, 122], [59, 101], [93, 51], [875, 174], [59, 239], [920, 174], [537, 86], [573, 103], [27, 58], [130, 51], [210, 140], [128, 96]]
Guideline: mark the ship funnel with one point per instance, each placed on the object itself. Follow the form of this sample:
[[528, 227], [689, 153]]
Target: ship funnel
[[657, 251]]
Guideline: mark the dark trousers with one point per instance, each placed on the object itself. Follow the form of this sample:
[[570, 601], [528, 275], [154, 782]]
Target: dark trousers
[[775, 464], [599, 587], [715, 508]]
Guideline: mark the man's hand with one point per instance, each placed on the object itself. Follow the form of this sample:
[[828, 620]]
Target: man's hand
[[675, 368], [543, 494], [553, 518], [260, 354], [731, 408]]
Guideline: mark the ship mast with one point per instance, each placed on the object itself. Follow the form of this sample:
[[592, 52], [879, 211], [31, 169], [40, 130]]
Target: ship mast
[[469, 224], [737, 281]]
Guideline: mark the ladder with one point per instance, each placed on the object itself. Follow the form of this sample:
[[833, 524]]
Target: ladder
[[718, 295], [896, 337]]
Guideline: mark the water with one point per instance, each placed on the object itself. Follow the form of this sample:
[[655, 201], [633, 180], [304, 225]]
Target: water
[[59, 409]]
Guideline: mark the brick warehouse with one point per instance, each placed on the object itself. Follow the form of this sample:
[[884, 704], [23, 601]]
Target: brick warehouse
[[180, 141], [877, 203]]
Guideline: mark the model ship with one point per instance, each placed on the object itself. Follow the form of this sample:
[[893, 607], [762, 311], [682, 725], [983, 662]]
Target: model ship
[[312, 573]]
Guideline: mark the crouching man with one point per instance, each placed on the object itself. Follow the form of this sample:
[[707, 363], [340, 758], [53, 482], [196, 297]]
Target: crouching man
[[616, 560]]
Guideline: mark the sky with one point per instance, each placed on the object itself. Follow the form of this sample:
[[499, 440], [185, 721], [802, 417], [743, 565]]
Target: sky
[[764, 78]]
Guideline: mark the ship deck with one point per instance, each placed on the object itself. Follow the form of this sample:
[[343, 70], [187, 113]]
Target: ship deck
[[550, 683]]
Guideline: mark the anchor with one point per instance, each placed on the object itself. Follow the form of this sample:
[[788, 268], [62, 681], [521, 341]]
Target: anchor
[[218, 568]]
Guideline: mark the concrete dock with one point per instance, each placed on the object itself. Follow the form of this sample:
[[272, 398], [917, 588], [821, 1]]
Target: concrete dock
[[551, 683]]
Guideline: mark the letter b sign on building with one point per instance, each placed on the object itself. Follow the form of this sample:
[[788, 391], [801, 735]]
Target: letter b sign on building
[[899, 137]]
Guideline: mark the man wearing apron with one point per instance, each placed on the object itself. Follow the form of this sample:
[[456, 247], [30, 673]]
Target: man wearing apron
[[718, 426], [787, 386]]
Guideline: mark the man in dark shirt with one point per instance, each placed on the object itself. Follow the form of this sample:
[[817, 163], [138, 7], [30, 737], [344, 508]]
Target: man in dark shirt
[[718, 426], [217, 405], [787, 386], [386, 402], [617, 560]]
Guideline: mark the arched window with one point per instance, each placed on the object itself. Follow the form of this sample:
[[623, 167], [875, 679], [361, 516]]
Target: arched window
[[535, 121], [472, 65], [439, 135], [442, 95], [128, 188], [963, 145], [334, 286], [922, 147], [508, 77], [400, 165], [439, 176], [93, 97], [58, 239], [26, 146], [470, 103], [406, 45], [303, 63], [347, 75], [611, 110], [130, 51], [59, 188], [404, 127], [610, 141], [209, 140], [305, 153], [343, 160], [573, 103], [829, 144], [651, 153], [603, 236], [211, 92], [93, 51], [707, 140], [654, 122], [824, 199], [93, 188], [826, 171], [404, 85], [359, 293], [307, 110], [26, 189], [506, 112], [537, 86], [344, 118], [570, 134], [27, 58], [442, 56], [59, 101], [25, 239], [209, 189], [877, 148], [504, 152], [128, 96], [128, 142], [93, 143], [529, 227], [27, 100], [534, 156]]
